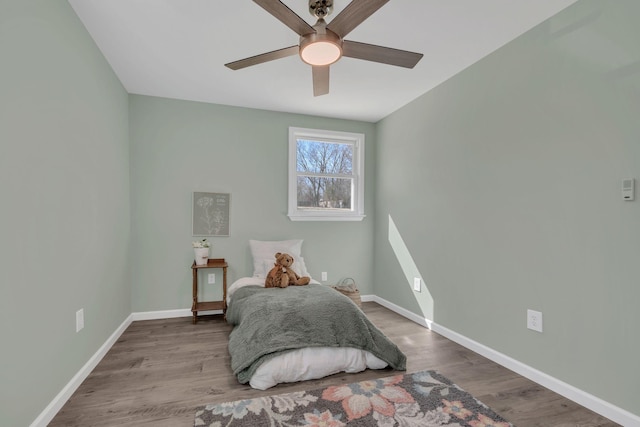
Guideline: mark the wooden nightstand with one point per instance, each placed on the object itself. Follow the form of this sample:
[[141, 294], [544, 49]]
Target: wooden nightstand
[[209, 305]]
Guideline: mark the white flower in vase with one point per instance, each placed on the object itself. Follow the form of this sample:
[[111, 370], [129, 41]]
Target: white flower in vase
[[201, 244]]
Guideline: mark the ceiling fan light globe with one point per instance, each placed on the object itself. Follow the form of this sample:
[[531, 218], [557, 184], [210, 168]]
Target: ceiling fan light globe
[[320, 53]]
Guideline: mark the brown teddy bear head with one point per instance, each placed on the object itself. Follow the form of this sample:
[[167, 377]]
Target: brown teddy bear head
[[284, 260]]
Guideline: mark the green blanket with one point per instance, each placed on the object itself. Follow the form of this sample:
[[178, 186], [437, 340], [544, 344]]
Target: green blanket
[[269, 321]]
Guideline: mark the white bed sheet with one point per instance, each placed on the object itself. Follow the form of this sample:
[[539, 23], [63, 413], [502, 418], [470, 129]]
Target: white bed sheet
[[306, 363]]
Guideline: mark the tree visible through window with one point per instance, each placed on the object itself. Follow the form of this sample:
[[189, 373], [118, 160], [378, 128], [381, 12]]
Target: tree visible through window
[[325, 179], [324, 174]]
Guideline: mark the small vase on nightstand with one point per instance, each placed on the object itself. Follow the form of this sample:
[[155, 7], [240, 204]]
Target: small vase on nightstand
[[201, 250], [202, 255]]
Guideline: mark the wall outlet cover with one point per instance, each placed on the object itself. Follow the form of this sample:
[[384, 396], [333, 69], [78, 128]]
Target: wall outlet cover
[[534, 320]]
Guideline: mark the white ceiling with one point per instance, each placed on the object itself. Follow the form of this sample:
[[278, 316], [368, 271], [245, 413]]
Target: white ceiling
[[178, 48]]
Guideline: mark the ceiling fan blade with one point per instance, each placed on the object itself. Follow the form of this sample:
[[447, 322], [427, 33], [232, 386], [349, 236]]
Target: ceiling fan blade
[[384, 55], [320, 80], [353, 15], [264, 57], [285, 15]]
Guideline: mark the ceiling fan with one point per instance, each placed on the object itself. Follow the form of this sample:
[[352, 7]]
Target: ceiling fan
[[323, 44]]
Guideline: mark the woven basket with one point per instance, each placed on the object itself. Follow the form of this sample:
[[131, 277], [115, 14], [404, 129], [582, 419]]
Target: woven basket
[[348, 287]]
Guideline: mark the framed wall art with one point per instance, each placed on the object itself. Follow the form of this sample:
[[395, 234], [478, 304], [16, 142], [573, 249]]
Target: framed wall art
[[210, 214]]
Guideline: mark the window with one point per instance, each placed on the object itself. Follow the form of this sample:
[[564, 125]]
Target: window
[[326, 175]]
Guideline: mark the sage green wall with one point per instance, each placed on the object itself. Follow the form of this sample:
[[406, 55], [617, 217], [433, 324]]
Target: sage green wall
[[64, 221], [178, 147], [502, 189]]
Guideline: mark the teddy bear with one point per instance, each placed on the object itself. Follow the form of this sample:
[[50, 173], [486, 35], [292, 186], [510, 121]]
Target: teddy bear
[[281, 275]]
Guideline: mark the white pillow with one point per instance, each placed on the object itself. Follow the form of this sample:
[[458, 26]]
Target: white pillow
[[263, 253], [299, 267]]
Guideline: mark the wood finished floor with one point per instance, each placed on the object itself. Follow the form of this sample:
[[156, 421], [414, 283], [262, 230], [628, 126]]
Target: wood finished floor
[[159, 371]]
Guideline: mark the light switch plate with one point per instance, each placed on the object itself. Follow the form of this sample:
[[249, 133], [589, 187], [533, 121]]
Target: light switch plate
[[628, 187], [79, 320]]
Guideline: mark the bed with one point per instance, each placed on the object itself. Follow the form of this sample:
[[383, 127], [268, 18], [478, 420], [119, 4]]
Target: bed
[[300, 332]]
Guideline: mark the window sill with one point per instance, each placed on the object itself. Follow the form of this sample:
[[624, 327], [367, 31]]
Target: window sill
[[355, 217]]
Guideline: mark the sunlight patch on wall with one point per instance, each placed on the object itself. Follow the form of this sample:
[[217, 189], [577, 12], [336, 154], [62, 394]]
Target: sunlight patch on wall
[[410, 270]]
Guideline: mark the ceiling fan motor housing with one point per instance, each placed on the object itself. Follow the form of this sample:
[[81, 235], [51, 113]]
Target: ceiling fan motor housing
[[320, 8]]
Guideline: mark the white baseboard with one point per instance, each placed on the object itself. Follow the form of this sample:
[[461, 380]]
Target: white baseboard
[[367, 298], [169, 314], [606, 409], [163, 314], [58, 402]]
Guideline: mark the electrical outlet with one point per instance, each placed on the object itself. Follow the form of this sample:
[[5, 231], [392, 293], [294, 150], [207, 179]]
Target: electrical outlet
[[534, 320], [212, 278], [324, 276], [417, 284], [79, 320]]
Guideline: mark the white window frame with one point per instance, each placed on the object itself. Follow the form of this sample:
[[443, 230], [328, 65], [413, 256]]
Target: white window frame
[[357, 190]]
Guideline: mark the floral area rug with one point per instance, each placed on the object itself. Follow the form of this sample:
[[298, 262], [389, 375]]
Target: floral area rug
[[422, 399]]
